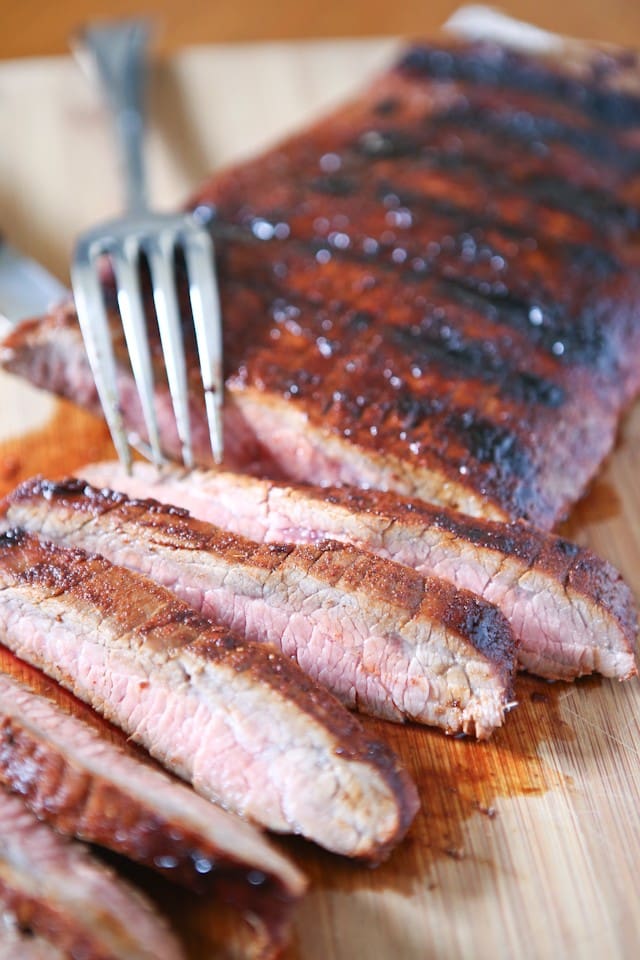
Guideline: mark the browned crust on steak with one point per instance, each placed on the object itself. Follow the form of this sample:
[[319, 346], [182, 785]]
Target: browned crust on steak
[[570, 564], [92, 580], [49, 352], [150, 618], [433, 290], [572, 612], [497, 341]]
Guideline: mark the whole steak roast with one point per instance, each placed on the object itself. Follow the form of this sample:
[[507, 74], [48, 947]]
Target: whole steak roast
[[434, 290]]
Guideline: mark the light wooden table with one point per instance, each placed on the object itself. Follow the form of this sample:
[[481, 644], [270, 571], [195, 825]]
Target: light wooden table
[[527, 846]]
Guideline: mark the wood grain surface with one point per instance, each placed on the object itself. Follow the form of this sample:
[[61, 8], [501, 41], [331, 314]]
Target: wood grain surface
[[526, 846]]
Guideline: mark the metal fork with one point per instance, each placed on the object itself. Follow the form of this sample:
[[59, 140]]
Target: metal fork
[[117, 53]]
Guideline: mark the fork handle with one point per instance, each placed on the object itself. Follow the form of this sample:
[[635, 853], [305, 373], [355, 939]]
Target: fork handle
[[117, 53]]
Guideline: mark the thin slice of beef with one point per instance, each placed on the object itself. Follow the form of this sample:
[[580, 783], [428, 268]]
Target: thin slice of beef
[[88, 787], [571, 611], [381, 637], [55, 888], [238, 720]]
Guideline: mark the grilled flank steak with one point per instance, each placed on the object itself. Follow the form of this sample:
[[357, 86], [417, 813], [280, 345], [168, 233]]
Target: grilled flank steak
[[433, 290]]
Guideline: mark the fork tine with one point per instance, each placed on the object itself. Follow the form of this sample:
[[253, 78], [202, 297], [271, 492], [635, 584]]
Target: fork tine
[[94, 326], [205, 305], [160, 250], [126, 270]]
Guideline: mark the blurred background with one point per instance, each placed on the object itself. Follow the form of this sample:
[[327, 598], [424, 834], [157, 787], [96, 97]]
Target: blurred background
[[41, 27]]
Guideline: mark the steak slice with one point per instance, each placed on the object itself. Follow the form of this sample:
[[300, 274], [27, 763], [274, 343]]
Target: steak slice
[[55, 888], [570, 611], [381, 637], [239, 721], [434, 290], [16, 945], [88, 787]]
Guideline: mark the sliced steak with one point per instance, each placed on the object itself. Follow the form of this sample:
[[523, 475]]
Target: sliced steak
[[434, 290], [381, 637], [54, 887], [17, 945], [571, 612], [238, 720], [90, 788]]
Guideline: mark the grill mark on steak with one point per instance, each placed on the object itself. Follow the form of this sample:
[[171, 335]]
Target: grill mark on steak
[[221, 713], [524, 126], [469, 242], [580, 336], [571, 611], [469, 222], [55, 888], [379, 636], [570, 220], [558, 319], [87, 787], [440, 346], [513, 138], [487, 64], [445, 425], [451, 342], [565, 243], [468, 133], [442, 422], [475, 359], [569, 338]]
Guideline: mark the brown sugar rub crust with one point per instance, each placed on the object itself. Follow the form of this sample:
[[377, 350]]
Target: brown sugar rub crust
[[433, 290], [493, 344]]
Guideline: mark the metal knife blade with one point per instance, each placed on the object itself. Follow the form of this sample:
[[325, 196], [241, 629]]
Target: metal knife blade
[[26, 288]]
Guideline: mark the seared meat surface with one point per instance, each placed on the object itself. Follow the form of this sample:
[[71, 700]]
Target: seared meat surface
[[238, 720], [571, 612], [433, 290], [378, 635]]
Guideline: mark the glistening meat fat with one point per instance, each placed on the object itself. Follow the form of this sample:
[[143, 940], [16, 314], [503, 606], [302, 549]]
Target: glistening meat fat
[[381, 637], [433, 290], [55, 888], [571, 612], [88, 787], [238, 720]]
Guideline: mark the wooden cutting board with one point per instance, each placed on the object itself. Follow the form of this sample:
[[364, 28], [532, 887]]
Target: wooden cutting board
[[525, 846]]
